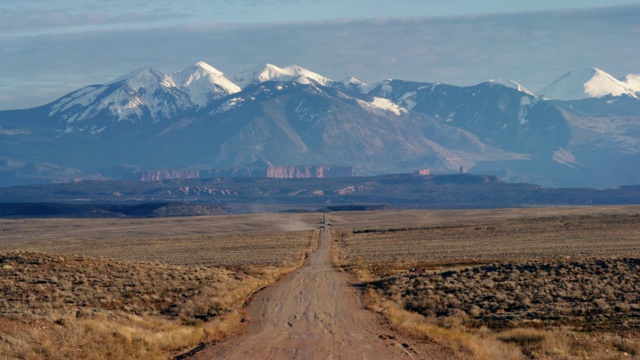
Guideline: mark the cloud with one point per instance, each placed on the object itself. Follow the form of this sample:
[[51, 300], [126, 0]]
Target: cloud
[[531, 48]]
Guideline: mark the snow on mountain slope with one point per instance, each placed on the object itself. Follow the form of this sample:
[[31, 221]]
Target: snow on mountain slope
[[352, 84], [203, 83], [632, 81], [585, 83], [381, 105], [350, 80], [273, 73], [144, 91], [514, 85], [80, 98]]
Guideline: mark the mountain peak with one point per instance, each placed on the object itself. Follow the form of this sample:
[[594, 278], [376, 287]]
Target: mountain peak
[[199, 69], [353, 84], [585, 83], [270, 72], [204, 66], [139, 77], [203, 83], [351, 80]]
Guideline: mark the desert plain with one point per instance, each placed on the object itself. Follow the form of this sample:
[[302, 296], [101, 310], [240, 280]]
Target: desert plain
[[527, 283]]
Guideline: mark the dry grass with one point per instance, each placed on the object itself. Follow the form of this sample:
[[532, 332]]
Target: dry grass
[[447, 332], [190, 289], [507, 288]]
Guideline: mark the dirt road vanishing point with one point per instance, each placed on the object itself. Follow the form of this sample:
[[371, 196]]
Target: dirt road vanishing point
[[316, 313]]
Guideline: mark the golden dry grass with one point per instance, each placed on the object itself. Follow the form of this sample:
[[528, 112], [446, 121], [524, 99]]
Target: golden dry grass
[[450, 279]]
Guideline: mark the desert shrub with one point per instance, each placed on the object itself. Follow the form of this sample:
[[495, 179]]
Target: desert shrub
[[523, 288], [533, 307], [77, 307], [592, 293], [529, 340]]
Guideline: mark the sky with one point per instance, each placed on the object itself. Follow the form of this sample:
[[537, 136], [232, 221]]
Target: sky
[[50, 48]]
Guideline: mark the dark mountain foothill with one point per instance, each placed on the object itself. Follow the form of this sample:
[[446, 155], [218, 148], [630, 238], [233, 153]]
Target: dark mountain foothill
[[75, 210], [246, 195]]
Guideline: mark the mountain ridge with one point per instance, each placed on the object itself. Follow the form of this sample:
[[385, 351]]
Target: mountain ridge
[[271, 72], [199, 118]]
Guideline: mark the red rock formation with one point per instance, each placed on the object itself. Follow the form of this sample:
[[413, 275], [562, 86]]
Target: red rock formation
[[307, 171], [272, 171]]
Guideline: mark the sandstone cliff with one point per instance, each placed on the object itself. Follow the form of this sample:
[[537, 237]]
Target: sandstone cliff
[[304, 172]]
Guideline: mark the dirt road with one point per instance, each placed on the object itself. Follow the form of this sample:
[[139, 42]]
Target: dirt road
[[315, 313]]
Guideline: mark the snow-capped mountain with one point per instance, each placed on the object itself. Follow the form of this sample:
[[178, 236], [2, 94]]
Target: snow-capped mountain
[[273, 73], [585, 83], [203, 83], [142, 95], [293, 116]]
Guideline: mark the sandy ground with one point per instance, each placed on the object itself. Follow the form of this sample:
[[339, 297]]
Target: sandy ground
[[316, 313]]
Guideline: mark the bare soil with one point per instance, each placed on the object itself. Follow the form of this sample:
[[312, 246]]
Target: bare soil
[[317, 313]]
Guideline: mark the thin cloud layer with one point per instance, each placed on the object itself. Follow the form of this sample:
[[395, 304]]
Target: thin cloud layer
[[532, 48], [37, 16]]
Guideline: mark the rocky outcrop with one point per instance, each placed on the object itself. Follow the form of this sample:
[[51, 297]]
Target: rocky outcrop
[[305, 172]]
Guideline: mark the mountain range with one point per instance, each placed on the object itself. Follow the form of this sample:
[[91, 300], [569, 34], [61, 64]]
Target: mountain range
[[582, 130]]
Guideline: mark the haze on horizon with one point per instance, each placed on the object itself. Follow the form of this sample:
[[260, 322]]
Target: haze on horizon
[[48, 49]]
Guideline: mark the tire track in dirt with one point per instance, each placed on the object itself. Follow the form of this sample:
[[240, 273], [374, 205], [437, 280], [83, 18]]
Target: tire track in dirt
[[316, 313]]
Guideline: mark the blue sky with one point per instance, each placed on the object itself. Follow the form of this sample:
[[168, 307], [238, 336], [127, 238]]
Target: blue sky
[[49, 48]]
